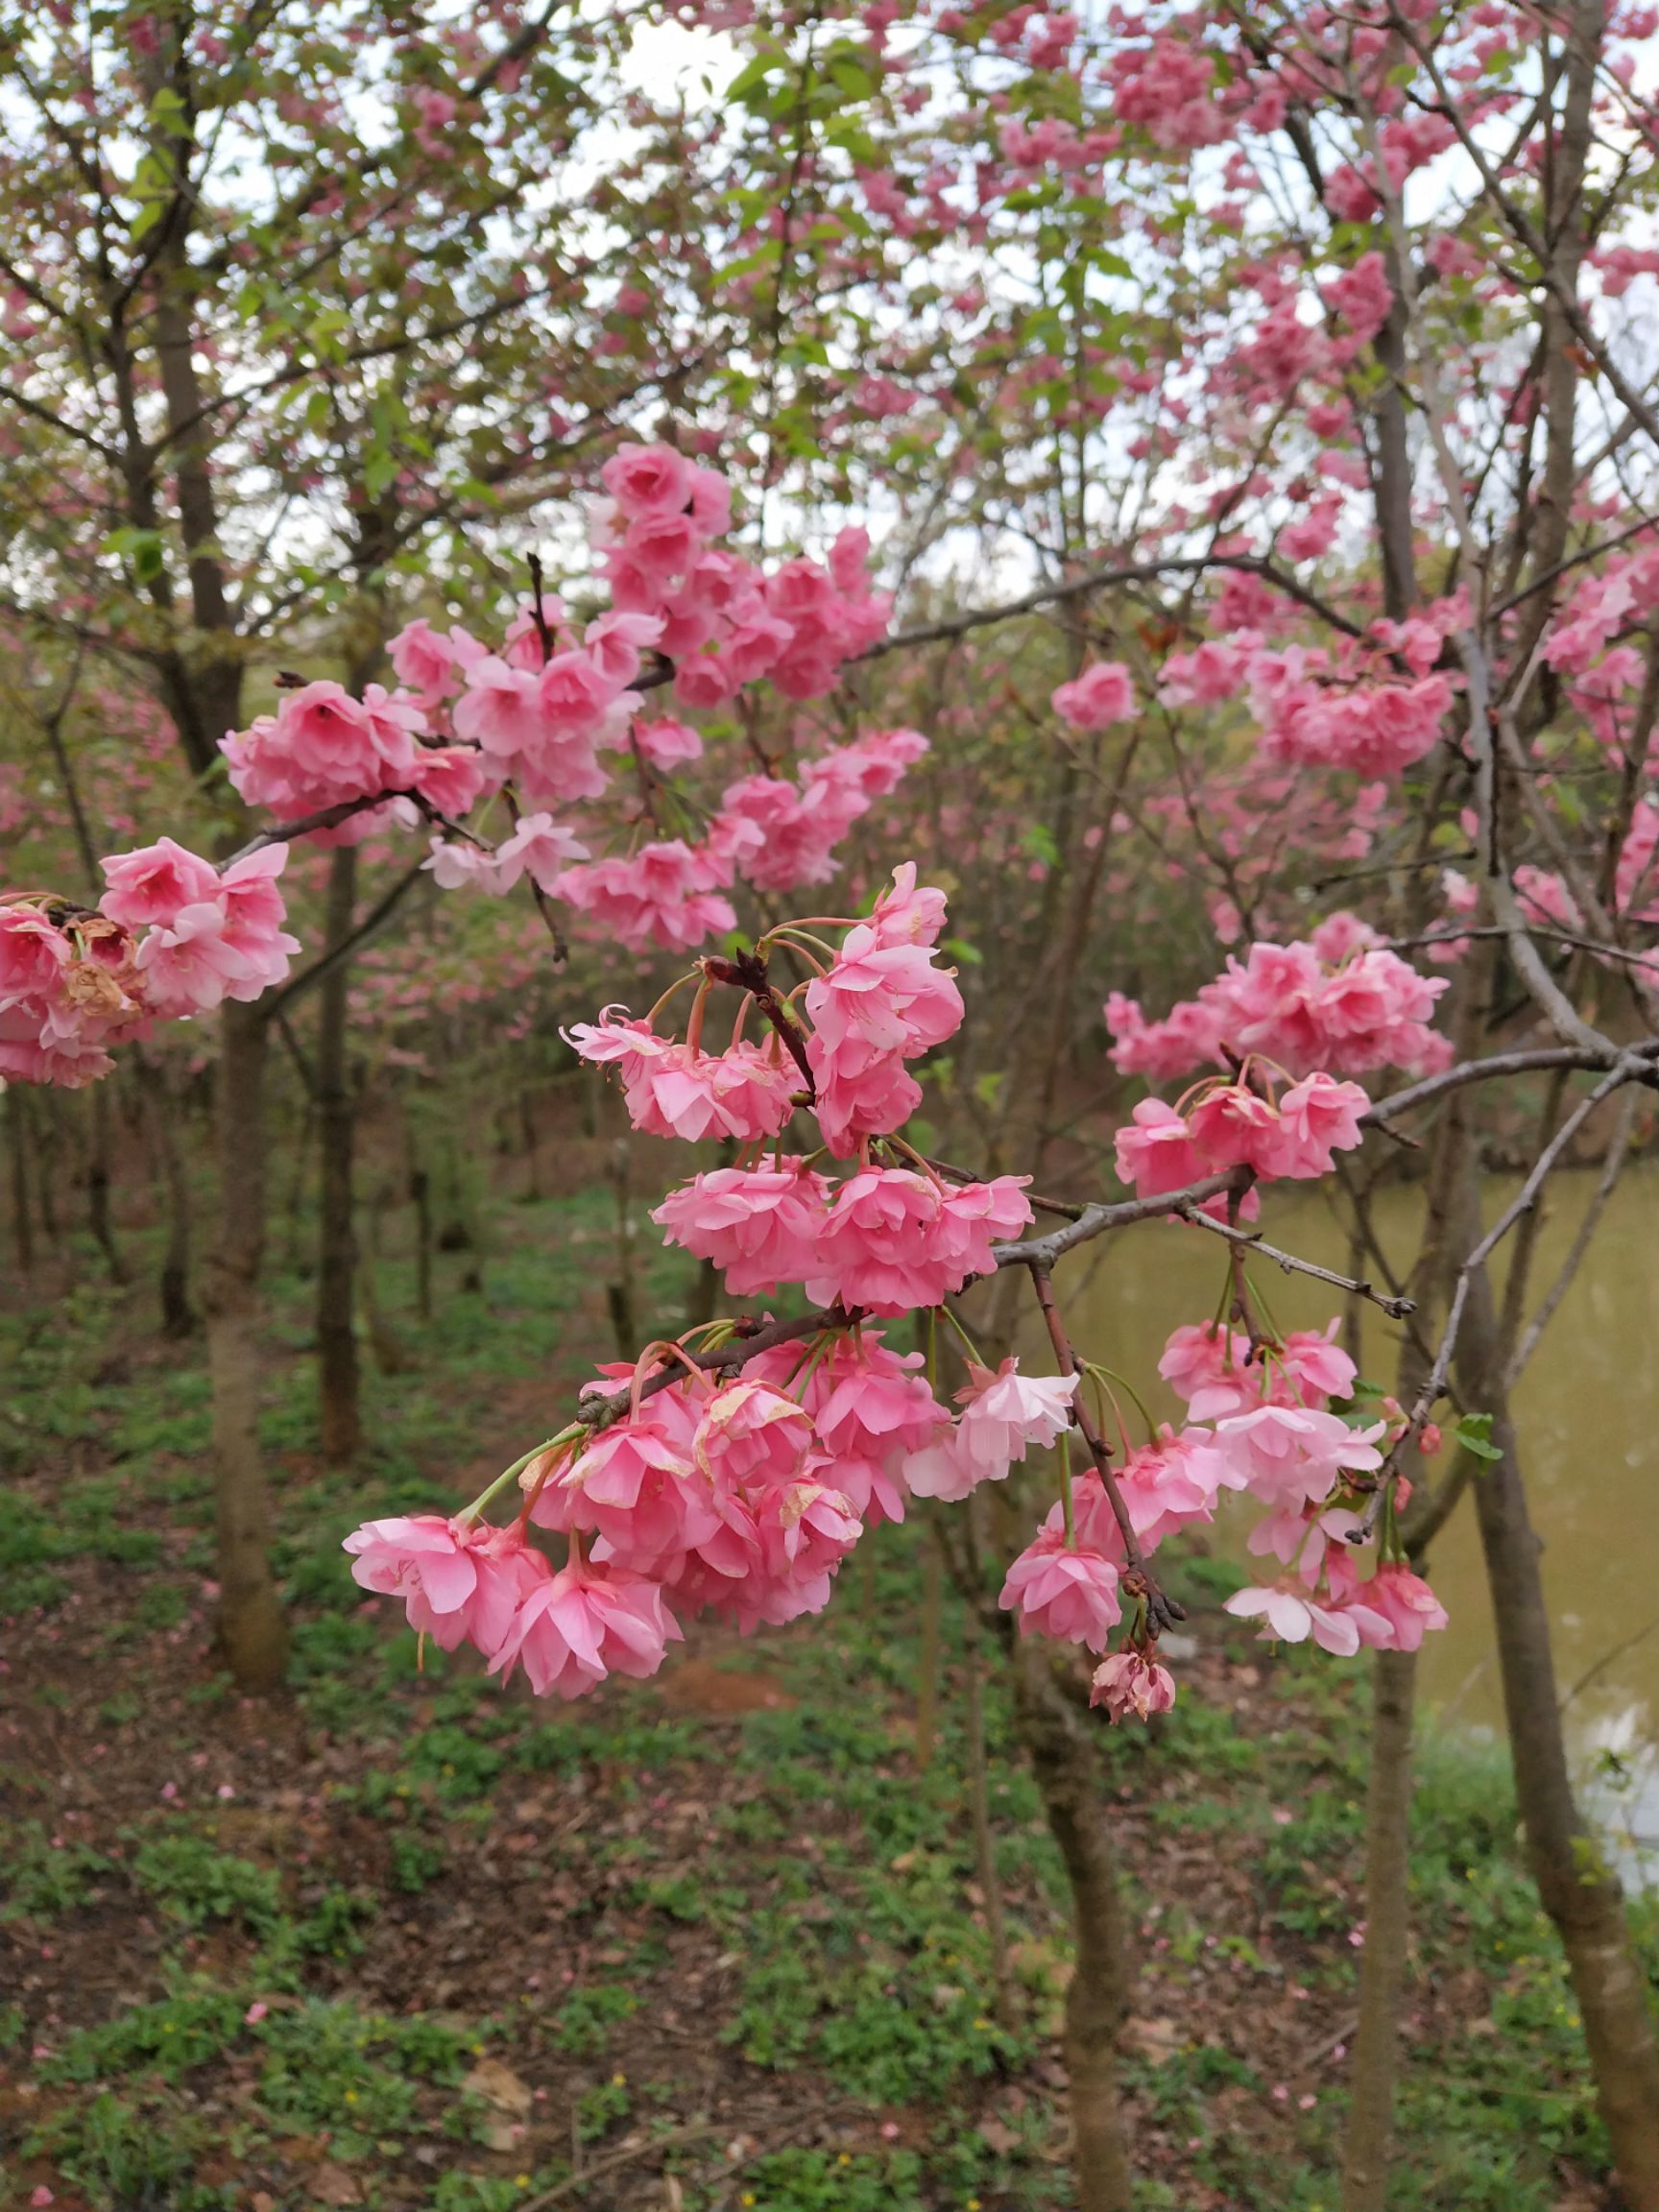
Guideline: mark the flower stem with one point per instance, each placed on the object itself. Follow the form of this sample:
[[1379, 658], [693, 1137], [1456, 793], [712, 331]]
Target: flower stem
[[566, 1435]]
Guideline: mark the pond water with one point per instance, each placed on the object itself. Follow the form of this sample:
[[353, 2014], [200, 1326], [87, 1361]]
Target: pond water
[[1587, 1410]]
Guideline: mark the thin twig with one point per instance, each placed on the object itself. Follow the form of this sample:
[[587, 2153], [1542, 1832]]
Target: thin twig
[[370, 925], [1611, 1170], [1396, 1307]]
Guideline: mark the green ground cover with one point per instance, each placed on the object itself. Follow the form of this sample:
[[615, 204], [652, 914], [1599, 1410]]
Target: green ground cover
[[407, 1941]]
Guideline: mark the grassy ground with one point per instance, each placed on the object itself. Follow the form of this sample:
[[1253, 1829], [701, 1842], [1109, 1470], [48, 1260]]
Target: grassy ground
[[405, 1940]]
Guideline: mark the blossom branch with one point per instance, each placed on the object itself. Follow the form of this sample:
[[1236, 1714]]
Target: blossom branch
[[600, 1407], [1534, 1061], [1097, 1220], [747, 971], [1103, 579], [277, 1002]]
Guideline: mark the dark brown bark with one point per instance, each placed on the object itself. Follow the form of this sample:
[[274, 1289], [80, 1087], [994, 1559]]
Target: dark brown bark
[[1063, 1763], [178, 1314], [984, 1839], [1578, 1889], [337, 1368], [421, 1198], [927, 1662], [98, 1178], [253, 1632], [22, 1213], [1369, 2140]]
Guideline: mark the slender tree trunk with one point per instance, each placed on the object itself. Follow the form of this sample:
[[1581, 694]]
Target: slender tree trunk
[[620, 1290], [1578, 1889], [984, 1839], [928, 1664], [251, 1629], [178, 1315], [420, 1196], [1367, 2150], [22, 1213], [45, 1146], [98, 1218], [338, 1372], [1064, 1764]]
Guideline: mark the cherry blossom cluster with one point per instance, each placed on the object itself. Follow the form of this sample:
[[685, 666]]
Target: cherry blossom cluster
[[734, 1474], [172, 936], [543, 724], [1339, 1001], [491, 751]]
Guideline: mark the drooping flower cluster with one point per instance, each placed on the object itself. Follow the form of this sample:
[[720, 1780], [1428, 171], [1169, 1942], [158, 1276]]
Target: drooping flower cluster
[[1339, 1001], [490, 751], [737, 1480], [1225, 1124], [173, 936], [541, 718]]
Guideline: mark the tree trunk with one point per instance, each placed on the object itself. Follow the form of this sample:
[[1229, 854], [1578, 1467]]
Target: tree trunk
[[1366, 2151], [420, 1197], [98, 1185], [337, 1374], [178, 1315], [252, 1630], [22, 1214], [45, 1146], [1578, 1890], [984, 1836], [1064, 1764]]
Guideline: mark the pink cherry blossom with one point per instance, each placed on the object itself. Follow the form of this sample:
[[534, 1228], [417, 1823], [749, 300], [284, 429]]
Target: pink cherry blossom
[[1005, 1414], [649, 480], [422, 660], [895, 1240], [154, 884], [1131, 1687], [1063, 1591], [539, 848], [1404, 1601], [323, 748], [1103, 694], [675, 1089], [1290, 1454], [1318, 1117], [760, 1226], [461, 1582], [1291, 1617], [1155, 1151], [585, 1623], [663, 895]]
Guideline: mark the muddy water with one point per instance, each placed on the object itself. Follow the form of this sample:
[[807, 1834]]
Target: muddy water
[[1588, 1413]]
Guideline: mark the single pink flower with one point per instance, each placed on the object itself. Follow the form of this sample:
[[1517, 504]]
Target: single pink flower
[[1156, 1152], [649, 480], [583, 1624], [1060, 1591], [1293, 1455], [152, 885], [1005, 1413], [1131, 1687], [1103, 694], [461, 1582], [758, 1226], [1291, 1616]]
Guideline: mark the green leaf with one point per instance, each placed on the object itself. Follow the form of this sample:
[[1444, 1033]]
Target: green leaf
[[142, 547], [1474, 1433], [959, 948]]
